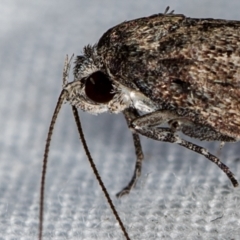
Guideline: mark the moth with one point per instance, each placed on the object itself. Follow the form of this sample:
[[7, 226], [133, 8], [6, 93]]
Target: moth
[[162, 69]]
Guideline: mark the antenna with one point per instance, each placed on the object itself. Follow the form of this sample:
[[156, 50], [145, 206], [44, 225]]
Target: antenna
[[45, 159], [61, 99]]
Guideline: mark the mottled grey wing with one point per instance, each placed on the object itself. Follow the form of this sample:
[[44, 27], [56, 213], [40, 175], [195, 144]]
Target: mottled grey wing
[[189, 65]]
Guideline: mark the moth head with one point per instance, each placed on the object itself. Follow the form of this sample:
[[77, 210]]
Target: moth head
[[93, 90]]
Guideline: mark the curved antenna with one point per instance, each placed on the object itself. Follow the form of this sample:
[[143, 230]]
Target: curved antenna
[[61, 99], [95, 171], [45, 159]]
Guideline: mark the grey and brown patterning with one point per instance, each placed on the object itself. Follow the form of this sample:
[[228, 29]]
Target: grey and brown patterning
[[162, 69], [165, 68]]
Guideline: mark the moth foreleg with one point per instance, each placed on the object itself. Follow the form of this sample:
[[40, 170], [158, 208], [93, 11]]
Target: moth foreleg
[[131, 114]]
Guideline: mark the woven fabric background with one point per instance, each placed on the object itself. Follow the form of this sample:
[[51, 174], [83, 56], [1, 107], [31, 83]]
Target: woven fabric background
[[180, 195]]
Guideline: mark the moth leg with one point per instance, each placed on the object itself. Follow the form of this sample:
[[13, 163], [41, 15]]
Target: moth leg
[[143, 125], [138, 167], [155, 119], [131, 114]]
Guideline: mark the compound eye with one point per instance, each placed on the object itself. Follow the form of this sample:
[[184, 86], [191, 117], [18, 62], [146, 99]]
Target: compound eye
[[99, 88]]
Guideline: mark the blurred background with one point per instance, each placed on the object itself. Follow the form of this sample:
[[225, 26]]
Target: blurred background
[[179, 194]]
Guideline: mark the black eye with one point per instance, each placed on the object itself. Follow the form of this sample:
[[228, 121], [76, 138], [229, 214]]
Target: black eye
[[99, 88]]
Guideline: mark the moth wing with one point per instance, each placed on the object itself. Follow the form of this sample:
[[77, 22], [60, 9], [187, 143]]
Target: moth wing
[[191, 66]]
